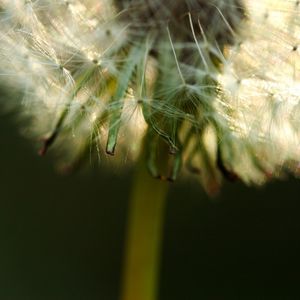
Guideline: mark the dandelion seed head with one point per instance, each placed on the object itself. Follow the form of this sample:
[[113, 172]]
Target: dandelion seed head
[[212, 86]]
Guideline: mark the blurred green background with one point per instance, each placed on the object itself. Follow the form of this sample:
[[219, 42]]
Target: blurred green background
[[61, 237]]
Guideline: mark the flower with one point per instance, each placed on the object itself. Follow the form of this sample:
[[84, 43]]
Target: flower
[[211, 85]]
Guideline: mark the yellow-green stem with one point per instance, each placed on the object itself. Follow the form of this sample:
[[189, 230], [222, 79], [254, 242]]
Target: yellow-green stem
[[144, 236]]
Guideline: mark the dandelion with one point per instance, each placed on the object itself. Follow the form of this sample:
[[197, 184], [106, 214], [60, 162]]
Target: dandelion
[[209, 86]]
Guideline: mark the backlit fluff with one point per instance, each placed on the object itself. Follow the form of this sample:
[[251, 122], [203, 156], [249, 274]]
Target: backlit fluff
[[211, 85]]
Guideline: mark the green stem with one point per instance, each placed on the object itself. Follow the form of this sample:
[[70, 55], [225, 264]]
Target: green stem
[[144, 235]]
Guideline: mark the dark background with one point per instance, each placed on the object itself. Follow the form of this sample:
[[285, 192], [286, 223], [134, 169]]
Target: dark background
[[61, 237]]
